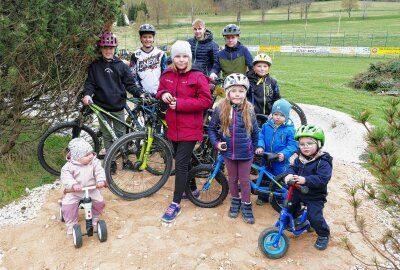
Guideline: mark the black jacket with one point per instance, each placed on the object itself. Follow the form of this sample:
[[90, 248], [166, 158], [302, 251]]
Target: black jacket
[[262, 94], [204, 52], [108, 82]]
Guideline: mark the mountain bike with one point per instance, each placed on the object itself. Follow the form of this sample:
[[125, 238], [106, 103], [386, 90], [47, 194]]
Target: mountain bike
[[273, 241], [149, 154], [213, 185], [53, 144]]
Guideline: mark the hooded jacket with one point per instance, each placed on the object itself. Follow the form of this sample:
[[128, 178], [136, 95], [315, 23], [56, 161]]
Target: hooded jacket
[[73, 172], [108, 81], [235, 59], [193, 97], [240, 145], [263, 92], [278, 140], [204, 52], [317, 173]]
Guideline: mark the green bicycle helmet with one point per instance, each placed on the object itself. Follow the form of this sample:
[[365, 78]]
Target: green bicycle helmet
[[310, 131]]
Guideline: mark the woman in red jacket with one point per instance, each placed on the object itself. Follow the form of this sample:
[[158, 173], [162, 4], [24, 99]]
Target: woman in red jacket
[[188, 95]]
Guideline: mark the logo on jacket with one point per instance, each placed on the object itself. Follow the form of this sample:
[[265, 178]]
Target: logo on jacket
[[108, 70], [149, 63]]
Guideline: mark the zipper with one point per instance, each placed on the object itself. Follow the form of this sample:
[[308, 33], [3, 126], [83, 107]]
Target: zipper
[[195, 52], [233, 134], [264, 97]]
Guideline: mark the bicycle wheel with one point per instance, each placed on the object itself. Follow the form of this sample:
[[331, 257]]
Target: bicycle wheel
[[135, 182], [216, 192], [266, 240], [53, 144], [277, 194], [297, 115]]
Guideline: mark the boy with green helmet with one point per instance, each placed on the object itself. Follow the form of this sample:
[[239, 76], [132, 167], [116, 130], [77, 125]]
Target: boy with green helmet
[[312, 168]]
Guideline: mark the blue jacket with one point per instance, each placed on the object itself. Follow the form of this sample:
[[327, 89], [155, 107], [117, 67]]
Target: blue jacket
[[240, 146], [235, 59], [278, 140], [204, 52], [262, 93], [317, 173]]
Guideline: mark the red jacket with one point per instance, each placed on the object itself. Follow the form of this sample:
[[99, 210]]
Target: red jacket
[[193, 97]]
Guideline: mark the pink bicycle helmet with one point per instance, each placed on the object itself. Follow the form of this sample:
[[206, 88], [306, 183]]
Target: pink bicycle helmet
[[108, 39]]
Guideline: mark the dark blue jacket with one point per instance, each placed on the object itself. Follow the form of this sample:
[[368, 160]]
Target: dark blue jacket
[[262, 93], [240, 146], [278, 140], [108, 82], [204, 52], [237, 59], [317, 173]]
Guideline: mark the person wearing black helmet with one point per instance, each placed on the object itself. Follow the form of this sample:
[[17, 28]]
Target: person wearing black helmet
[[235, 58], [148, 62]]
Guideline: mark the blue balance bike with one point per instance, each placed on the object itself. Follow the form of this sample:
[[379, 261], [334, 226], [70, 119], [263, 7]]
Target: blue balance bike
[[273, 241], [86, 204]]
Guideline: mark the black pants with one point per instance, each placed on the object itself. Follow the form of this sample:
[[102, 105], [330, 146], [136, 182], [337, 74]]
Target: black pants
[[314, 213], [183, 152]]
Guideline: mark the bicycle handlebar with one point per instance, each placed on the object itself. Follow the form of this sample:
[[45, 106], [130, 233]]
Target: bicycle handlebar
[[303, 189], [71, 190]]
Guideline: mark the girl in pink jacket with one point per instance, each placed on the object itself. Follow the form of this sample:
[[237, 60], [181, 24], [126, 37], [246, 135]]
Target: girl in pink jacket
[[82, 169]]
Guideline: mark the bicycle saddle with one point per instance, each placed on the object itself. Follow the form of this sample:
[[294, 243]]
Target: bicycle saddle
[[268, 156]]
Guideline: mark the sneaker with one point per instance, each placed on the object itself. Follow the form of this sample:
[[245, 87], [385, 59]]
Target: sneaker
[[247, 213], [260, 201], [322, 242], [235, 208], [172, 212], [196, 193], [113, 167], [128, 165]]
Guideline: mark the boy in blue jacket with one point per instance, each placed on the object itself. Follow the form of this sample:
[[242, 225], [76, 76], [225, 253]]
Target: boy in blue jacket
[[312, 168], [277, 136], [235, 58]]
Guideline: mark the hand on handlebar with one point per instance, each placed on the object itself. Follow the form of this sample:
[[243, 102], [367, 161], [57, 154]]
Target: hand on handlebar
[[222, 146], [101, 184], [87, 100], [77, 187], [213, 76], [259, 150]]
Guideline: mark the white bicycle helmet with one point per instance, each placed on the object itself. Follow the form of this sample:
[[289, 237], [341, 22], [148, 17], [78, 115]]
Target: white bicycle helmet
[[262, 57], [236, 79]]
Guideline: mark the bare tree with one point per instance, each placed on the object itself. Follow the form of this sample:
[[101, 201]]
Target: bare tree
[[158, 7], [365, 5], [349, 5], [264, 5], [289, 6], [307, 6], [238, 6]]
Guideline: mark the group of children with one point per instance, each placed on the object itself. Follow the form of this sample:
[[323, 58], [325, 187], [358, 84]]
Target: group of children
[[233, 128]]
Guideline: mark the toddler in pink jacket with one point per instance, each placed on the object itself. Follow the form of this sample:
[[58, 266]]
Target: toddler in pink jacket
[[82, 169]]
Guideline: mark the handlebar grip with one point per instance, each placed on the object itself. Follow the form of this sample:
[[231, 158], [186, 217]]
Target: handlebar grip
[[303, 189]]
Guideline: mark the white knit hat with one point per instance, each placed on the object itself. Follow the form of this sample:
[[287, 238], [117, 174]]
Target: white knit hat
[[78, 148], [181, 47]]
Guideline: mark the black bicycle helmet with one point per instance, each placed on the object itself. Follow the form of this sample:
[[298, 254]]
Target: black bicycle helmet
[[147, 29], [231, 29]]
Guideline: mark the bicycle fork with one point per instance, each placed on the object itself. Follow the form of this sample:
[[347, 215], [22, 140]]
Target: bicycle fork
[[145, 150]]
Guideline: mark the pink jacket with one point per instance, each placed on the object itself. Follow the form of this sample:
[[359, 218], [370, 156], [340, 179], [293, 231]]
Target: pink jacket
[[87, 175], [193, 97]]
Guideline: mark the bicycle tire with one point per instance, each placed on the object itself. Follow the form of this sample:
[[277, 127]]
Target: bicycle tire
[[132, 184], [297, 115], [53, 144], [217, 191], [275, 201]]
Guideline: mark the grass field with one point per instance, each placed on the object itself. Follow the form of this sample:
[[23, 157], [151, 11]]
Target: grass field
[[313, 80]]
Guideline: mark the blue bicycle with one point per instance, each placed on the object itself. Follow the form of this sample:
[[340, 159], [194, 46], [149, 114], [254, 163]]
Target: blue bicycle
[[273, 241], [213, 185]]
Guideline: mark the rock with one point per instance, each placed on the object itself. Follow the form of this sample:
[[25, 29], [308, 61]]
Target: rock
[[203, 256]]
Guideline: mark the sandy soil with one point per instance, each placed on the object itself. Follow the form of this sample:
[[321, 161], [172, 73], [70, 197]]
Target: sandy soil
[[200, 238]]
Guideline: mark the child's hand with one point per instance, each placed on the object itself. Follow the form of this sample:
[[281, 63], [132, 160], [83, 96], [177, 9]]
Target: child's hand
[[77, 187], [288, 177], [87, 100], [172, 105], [167, 98], [299, 179], [281, 157], [259, 150], [221, 146], [100, 184], [213, 76]]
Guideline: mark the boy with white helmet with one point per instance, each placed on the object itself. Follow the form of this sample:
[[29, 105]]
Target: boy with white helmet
[[233, 130], [264, 89]]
